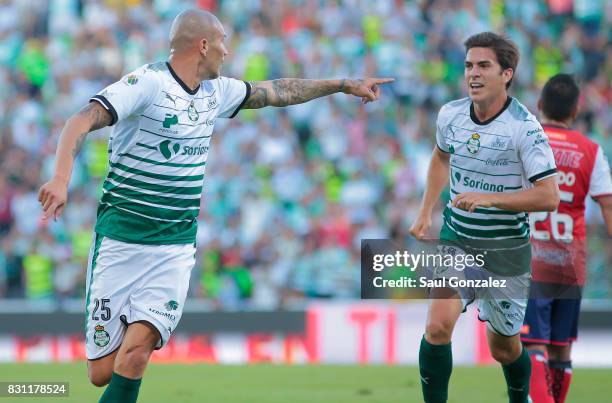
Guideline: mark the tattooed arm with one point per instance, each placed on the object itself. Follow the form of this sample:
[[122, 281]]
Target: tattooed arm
[[53, 194], [291, 91]]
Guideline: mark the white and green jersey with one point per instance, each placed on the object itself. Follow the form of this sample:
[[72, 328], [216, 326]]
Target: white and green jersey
[[506, 153], [158, 151]]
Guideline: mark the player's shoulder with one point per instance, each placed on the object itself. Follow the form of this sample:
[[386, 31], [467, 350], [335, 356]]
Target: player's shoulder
[[150, 69], [522, 120], [521, 114], [156, 67], [224, 86], [214, 83], [584, 139], [590, 146], [575, 137], [452, 108], [148, 74], [219, 82]]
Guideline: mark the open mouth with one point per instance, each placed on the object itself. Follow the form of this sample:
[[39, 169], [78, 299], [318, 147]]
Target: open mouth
[[475, 86]]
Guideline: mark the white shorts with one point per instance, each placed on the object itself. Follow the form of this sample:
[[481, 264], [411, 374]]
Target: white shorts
[[129, 283], [501, 307], [503, 311]]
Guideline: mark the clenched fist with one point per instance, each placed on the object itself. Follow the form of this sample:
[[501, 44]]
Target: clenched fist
[[420, 227], [52, 196]]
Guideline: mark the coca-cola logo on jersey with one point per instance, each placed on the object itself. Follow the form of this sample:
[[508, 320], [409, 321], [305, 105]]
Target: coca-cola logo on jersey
[[498, 162]]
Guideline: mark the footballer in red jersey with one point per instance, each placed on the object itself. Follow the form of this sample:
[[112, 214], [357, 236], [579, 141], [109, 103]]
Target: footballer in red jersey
[[559, 243]]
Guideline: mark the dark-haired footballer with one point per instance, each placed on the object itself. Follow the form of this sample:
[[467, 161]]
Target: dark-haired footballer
[[559, 242], [500, 167]]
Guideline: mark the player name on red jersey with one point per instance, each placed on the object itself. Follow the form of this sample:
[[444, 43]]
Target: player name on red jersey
[[559, 237]]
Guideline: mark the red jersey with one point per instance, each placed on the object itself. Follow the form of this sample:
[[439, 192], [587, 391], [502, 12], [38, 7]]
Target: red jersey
[[559, 237]]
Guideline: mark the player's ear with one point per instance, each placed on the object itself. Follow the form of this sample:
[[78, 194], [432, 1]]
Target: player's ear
[[508, 74], [204, 46]]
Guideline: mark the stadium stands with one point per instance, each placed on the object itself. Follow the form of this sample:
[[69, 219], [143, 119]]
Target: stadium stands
[[288, 194]]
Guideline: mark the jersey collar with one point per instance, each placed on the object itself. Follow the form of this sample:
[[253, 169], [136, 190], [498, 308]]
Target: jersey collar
[[486, 122], [181, 83]]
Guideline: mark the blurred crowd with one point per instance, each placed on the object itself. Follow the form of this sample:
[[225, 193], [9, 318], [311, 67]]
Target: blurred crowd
[[289, 192]]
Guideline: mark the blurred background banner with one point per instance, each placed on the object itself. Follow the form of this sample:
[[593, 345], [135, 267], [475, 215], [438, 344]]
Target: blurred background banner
[[326, 333], [289, 193]]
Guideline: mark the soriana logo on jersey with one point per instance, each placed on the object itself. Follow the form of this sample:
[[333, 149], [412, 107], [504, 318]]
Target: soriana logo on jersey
[[168, 148]]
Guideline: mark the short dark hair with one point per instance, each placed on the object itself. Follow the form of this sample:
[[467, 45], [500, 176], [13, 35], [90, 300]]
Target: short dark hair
[[559, 97], [505, 49]]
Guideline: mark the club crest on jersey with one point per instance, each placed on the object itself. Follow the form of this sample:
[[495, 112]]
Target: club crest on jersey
[[101, 336], [193, 113], [473, 144]]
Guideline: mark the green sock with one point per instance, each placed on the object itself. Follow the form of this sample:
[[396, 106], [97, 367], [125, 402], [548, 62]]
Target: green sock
[[436, 365], [121, 390], [517, 378]]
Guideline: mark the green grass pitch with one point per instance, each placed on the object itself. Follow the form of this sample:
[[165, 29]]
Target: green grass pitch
[[295, 384]]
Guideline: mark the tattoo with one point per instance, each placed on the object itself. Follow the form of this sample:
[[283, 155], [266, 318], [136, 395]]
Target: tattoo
[[98, 118], [257, 99], [290, 91], [96, 114]]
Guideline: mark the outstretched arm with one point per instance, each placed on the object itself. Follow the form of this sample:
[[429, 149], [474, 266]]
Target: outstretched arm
[[53, 194], [291, 91]]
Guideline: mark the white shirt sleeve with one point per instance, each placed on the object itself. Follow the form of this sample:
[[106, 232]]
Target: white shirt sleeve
[[535, 153], [232, 94], [440, 133], [601, 181], [130, 95]]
